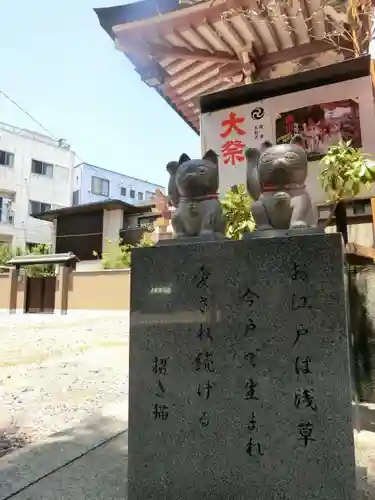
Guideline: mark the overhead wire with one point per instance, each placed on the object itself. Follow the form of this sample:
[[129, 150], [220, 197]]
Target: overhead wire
[[37, 122], [26, 113], [21, 108]]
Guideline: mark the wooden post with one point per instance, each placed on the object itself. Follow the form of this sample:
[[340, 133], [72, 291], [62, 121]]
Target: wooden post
[[13, 285], [61, 297], [373, 214]]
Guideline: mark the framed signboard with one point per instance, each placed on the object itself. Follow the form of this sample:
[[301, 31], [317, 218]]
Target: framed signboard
[[321, 125]]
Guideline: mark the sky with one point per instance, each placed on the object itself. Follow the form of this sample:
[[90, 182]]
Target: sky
[[63, 69]]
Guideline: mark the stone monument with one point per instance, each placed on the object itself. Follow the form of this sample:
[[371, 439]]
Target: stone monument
[[239, 372]]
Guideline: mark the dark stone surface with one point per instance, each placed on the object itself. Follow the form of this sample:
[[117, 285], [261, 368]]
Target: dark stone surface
[[179, 457], [362, 300], [188, 240], [277, 233]]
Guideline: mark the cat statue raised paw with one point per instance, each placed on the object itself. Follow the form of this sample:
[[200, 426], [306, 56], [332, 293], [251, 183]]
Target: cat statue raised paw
[[276, 177], [192, 189]]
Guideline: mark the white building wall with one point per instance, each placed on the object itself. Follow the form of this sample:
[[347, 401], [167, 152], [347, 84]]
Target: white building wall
[[19, 184], [82, 185]]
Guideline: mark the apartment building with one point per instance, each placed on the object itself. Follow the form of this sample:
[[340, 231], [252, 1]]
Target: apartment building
[[36, 175], [94, 184]]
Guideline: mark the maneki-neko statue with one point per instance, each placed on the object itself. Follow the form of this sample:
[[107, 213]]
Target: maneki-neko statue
[[193, 190], [276, 177]]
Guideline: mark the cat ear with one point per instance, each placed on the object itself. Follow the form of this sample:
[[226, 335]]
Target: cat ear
[[184, 157], [172, 167], [265, 145], [298, 140], [211, 156]]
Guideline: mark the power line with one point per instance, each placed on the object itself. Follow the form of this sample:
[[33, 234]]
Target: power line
[[34, 120], [50, 135], [28, 114]]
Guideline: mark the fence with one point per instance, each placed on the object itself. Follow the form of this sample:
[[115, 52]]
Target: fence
[[101, 290], [109, 289]]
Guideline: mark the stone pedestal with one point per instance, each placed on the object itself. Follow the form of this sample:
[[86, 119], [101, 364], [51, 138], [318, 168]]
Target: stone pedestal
[[239, 372]]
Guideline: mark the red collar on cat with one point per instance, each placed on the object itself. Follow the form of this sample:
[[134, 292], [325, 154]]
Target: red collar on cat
[[267, 188], [201, 198]]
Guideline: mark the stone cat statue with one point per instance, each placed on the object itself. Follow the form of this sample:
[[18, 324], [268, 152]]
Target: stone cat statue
[[173, 194], [276, 177], [192, 189]]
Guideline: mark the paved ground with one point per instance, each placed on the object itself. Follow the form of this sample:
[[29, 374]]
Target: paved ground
[[99, 475], [87, 461], [96, 470], [57, 370]]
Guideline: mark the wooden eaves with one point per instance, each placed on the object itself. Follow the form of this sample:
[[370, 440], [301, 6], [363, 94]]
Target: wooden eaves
[[209, 46]]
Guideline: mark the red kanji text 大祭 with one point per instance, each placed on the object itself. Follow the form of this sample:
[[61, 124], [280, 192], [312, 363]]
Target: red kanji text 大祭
[[232, 124], [233, 152]]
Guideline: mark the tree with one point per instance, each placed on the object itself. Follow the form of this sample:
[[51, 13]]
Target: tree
[[237, 210], [7, 252], [40, 269], [344, 172], [118, 255]]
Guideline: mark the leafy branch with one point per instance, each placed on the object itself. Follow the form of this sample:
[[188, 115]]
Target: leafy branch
[[118, 254], [345, 171], [7, 252], [237, 210]]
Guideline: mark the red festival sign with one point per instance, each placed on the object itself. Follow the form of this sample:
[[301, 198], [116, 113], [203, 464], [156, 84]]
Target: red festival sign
[[232, 149]]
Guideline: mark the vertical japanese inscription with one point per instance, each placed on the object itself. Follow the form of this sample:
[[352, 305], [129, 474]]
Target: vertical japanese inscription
[[249, 298], [304, 397], [204, 359], [160, 409], [201, 283], [253, 446]]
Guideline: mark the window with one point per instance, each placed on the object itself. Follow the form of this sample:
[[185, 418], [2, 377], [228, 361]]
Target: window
[[123, 191], [76, 197], [42, 168], [6, 212], [360, 207], [140, 196], [132, 193], [38, 207], [6, 159], [99, 186], [149, 195]]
